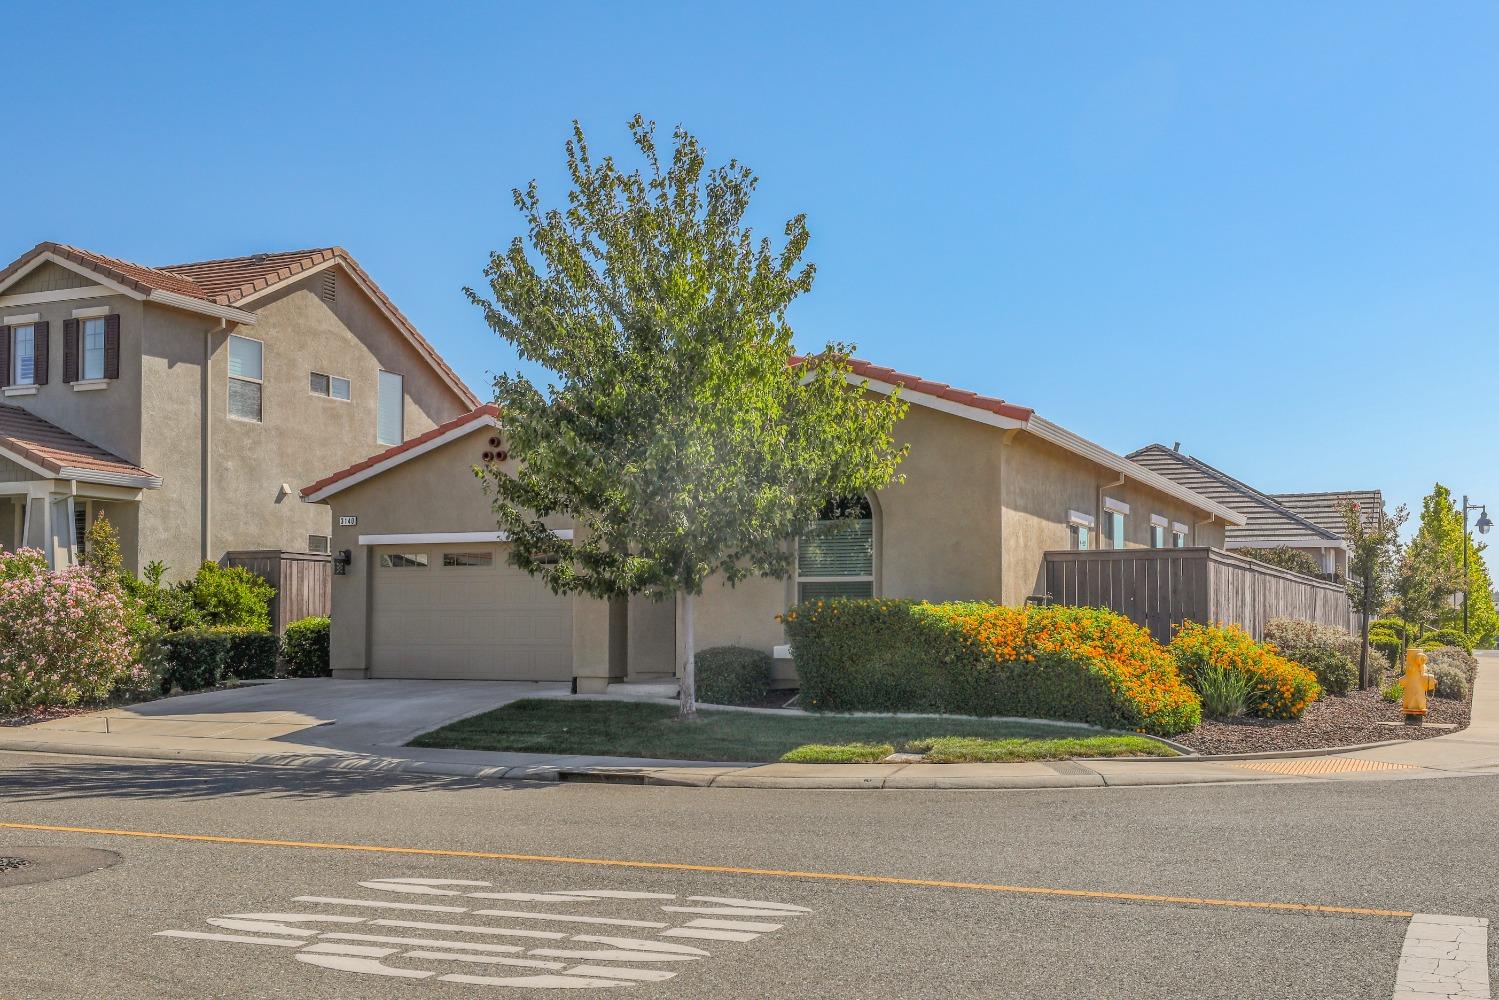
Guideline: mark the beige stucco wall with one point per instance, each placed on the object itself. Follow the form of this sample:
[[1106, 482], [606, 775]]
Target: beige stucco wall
[[434, 492]]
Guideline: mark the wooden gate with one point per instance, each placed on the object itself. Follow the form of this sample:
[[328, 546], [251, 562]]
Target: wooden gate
[[303, 582]]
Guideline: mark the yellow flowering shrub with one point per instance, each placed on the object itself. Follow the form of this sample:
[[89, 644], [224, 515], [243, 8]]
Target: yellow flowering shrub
[[971, 658], [1282, 689]]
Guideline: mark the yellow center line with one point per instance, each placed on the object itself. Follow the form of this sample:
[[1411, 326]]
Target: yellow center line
[[1027, 890]]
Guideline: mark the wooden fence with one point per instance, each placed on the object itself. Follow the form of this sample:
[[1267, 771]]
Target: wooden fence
[[1160, 588], [303, 582]]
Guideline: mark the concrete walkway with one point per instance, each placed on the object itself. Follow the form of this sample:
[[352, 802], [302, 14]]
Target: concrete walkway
[[363, 725]]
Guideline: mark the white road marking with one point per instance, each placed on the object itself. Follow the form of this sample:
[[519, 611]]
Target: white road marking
[[419, 925], [564, 960], [232, 938], [568, 918], [709, 935], [1444, 957], [380, 904], [735, 925], [533, 982], [756, 904]]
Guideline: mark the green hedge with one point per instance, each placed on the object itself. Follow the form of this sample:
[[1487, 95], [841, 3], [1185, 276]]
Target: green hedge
[[304, 647], [1447, 637], [251, 654], [732, 675], [195, 659], [1077, 664]]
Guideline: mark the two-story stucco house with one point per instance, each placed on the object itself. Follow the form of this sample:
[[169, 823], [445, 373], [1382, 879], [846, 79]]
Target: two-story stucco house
[[189, 401]]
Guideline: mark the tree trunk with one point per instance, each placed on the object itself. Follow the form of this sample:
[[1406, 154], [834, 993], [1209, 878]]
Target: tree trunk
[[687, 672], [1363, 649]]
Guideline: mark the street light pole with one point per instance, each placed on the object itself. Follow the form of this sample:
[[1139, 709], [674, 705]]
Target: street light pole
[[1484, 524]]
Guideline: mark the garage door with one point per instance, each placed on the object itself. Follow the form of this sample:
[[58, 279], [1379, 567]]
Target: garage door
[[462, 611]]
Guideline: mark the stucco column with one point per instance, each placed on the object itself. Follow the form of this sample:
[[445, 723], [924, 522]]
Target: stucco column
[[591, 644]]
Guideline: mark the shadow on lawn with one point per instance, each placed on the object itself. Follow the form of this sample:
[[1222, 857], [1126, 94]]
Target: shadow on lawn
[[53, 782]]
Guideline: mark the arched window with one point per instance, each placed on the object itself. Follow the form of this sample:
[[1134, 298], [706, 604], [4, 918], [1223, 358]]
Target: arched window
[[836, 558]]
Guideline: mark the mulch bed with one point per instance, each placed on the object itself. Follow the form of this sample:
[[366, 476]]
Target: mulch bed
[[1329, 722]]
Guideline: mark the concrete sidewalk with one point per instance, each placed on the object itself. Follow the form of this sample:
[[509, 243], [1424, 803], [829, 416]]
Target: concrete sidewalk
[[363, 725]]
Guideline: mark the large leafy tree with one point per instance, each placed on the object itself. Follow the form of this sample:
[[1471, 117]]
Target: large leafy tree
[[678, 431], [1373, 554], [1442, 525]]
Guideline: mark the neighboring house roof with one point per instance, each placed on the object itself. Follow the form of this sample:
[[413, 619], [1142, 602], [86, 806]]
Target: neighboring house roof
[[1001, 413], [223, 287], [1267, 521], [487, 415], [1326, 509], [52, 452]]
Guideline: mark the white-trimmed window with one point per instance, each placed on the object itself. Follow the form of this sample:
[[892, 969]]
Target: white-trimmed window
[[836, 558], [246, 383], [329, 385], [23, 355], [91, 339], [1179, 535], [1158, 525], [390, 417], [403, 560], [1114, 514], [1080, 530]]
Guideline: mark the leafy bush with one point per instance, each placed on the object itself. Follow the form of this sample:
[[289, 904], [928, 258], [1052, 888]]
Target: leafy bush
[[304, 647], [732, 675], [157, 610], [1452, 680], [63, 637], [1447, 637], [1284, 557], [1226, 693], [1328, 651], [1451, 656], [195, 659], [250, 655], [230, 597], [1081, 664], [1336, 673], [1387, 646], [1282, 689], [1394, 626], [1393, 691]]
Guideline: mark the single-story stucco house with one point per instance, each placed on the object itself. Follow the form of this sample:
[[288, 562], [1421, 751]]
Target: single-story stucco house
[[425, 589]]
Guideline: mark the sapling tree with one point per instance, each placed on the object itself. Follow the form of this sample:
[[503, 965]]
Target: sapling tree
[[1373, 553], [678, 431]]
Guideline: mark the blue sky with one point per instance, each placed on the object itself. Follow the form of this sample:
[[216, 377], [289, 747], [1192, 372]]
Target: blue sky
[[1269, 231]]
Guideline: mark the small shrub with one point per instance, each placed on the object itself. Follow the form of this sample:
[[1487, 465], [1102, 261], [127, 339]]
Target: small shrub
[[1394, 626], [1393, 691], [1451, 656], [250, 655], [1387, 645], [1452, 680], [1447, 637], [1226, 693], [1336, 673], [195, 659], [63, 635], [304, 647], [230, 597], [1282, 689], [972, 658], [732, 675]]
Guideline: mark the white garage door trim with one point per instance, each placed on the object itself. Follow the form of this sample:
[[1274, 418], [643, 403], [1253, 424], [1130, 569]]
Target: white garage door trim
[[444, 537]]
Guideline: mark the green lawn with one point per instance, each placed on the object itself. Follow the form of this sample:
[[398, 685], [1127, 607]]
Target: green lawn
[[635, 729]]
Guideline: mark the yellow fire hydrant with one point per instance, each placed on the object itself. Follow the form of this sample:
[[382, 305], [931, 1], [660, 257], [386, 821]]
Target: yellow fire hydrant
[[1418, 681]]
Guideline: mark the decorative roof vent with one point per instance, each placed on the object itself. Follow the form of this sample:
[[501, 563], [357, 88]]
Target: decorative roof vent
[[330, 286]]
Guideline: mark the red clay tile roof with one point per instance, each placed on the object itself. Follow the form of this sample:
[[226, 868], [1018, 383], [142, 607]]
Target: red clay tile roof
[[28, 436], [487, 410], [941, 390], [225, 282]]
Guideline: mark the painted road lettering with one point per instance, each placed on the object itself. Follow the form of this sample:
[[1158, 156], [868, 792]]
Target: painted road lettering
[[322, 933]]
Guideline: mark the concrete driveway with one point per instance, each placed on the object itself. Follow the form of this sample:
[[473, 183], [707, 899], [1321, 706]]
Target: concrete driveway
[[308, 716]]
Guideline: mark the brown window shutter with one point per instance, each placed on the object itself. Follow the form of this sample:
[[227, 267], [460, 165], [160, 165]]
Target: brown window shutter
[[43, 341], [4, 355], [70, 350], [112, 346]]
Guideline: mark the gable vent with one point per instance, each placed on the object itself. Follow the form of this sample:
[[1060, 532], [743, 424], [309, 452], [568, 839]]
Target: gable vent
[[330, 286]]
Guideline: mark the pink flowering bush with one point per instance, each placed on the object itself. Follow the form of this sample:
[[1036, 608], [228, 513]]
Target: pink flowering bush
[[63, 635]]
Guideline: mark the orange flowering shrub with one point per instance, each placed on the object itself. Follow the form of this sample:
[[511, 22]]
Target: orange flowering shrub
[[1282, 689], [1078, 664]]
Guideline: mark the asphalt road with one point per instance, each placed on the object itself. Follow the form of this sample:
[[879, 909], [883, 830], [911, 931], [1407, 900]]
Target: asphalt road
[[1347, 845]]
